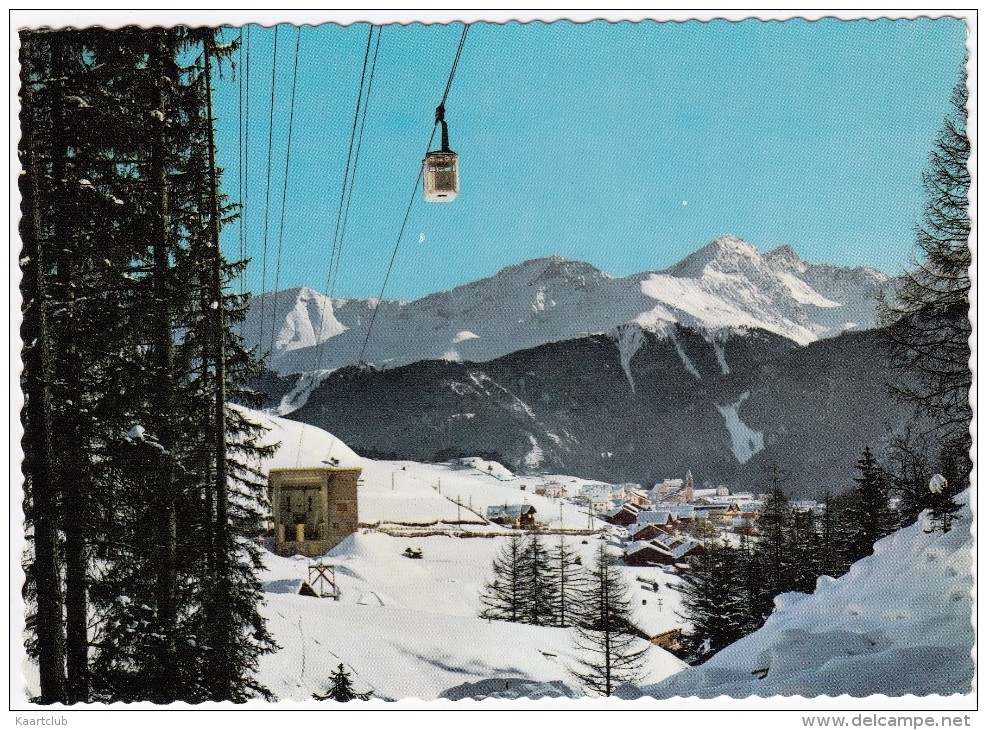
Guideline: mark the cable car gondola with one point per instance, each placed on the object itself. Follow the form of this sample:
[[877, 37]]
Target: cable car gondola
[[440, 169]]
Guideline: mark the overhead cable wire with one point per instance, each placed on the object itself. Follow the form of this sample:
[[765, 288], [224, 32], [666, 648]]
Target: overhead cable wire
[[348, 170], [240, 176], [267, 190], [284, 189], [245, 148], [356, 163], [327, 301], [414, 194]]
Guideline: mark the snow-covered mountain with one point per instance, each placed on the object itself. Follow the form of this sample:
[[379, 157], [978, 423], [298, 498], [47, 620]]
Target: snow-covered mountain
[[634, 407], [727, 285], [900, 622]]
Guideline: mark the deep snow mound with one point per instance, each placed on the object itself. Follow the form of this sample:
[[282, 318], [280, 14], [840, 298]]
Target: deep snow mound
[[898, 623]]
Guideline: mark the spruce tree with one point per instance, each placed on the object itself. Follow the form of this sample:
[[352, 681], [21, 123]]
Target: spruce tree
[[806, 552], [871, 518], [771, 557], [715, 601], [505, 597], [539, 583], [611, 654], [568, 582], [341, 688]]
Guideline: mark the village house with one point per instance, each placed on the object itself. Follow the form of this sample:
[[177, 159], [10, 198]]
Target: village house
[[639, 498], [555, 491], [600, 497], [661, 551], [623, 515], [639, 532], [670, 640], [521, 516], [314, 509]]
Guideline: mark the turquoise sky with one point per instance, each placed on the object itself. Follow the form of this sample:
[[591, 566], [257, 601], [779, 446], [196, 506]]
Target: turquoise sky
[[625, 145]]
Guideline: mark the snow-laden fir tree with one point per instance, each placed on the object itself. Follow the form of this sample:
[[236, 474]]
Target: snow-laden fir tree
[[610, 652], [715, 601]]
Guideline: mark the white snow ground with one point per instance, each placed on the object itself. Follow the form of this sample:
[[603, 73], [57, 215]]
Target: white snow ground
[[410, 628], [898, 623]]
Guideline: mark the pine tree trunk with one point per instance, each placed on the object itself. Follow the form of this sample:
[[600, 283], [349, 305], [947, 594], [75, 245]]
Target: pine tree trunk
[[219, 325], [167, 568], [38, 467], [72, 470]]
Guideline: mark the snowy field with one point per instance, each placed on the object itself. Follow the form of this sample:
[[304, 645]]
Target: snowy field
[[410, 628], [409, 493]]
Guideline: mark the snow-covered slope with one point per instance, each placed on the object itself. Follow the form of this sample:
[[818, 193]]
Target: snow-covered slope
[[898, 623], [726, 285], [409, 493], [410, 628]]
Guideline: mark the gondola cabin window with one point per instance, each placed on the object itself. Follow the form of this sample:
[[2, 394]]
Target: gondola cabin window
[[441, 177]]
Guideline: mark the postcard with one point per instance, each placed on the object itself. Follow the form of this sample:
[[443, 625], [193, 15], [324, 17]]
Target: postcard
[[460, 360]]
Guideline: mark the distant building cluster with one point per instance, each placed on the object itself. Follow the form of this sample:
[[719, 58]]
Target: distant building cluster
[[661, 525], [672, 520]]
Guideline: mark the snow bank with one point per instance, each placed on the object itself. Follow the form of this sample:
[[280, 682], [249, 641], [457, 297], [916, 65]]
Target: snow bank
[[898, 623], [300, 445]]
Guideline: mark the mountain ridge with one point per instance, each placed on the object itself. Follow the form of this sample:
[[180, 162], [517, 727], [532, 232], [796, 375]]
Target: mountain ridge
[[726, 286]]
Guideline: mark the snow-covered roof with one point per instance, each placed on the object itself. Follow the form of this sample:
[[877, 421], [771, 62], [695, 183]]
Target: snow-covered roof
[[653, 517], [599, 492], [509, 511], [675, 547], [624, 507]]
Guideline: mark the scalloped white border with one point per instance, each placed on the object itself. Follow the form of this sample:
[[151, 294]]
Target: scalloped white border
[[760, 713]]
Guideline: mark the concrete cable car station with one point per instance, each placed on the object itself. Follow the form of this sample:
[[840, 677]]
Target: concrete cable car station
[[314, 508]]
